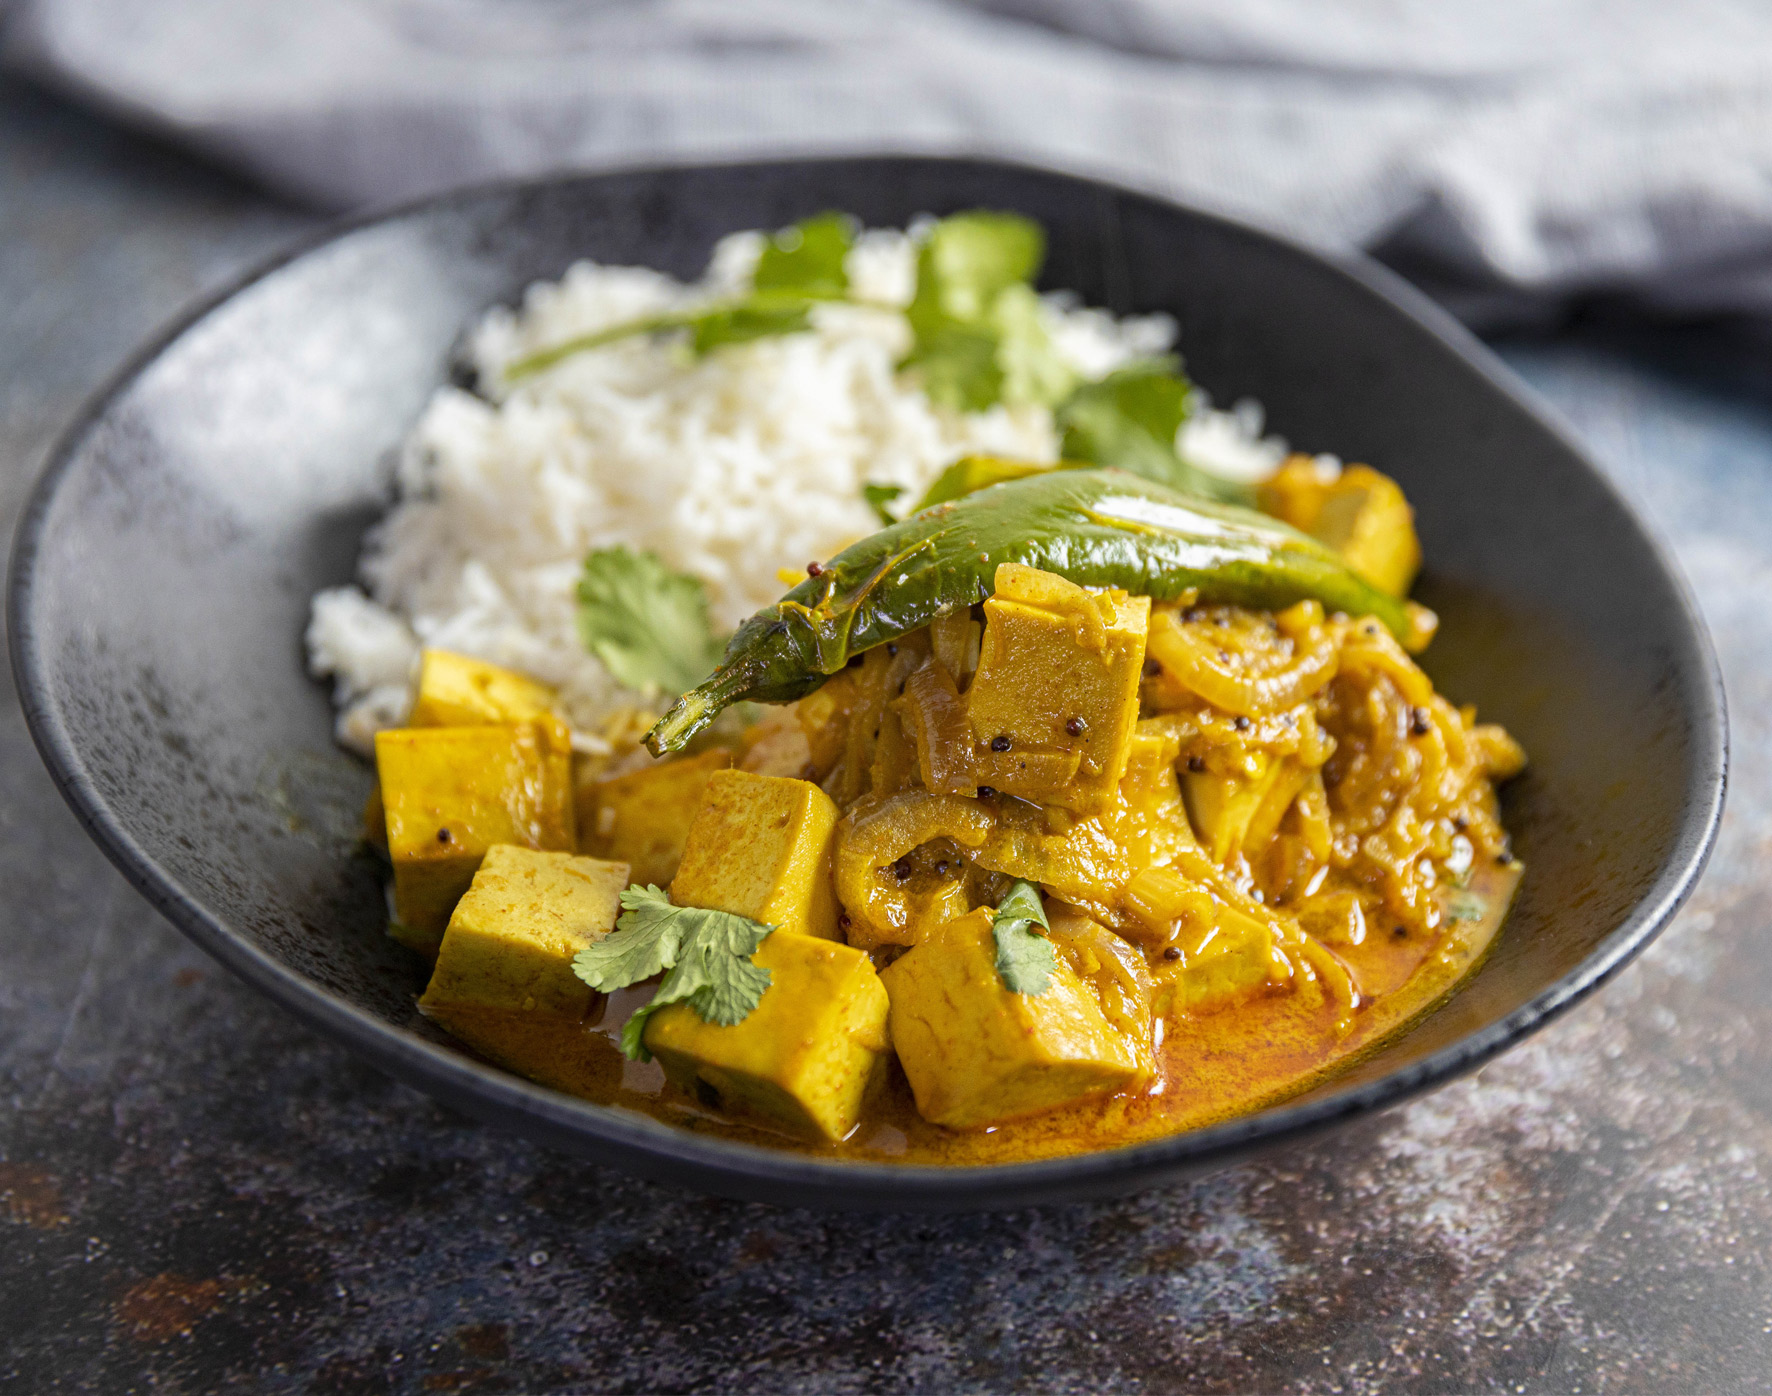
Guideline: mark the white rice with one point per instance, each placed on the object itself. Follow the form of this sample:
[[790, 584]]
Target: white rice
[[731, 467]]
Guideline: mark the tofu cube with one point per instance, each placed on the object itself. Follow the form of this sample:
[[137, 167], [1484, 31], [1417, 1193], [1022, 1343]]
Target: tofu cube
[[642, 818], [451, 793], [504, 982], [455, 691], [572, 1055], [761, 846], [976, 1053], [803, 1060], [511, 939], [1359, 512], [1055, 698]]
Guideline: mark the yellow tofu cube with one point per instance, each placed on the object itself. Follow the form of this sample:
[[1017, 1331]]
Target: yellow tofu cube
[[455, 691], [504, 982], [976, 1053], [451, 793], [566, 1054], [643, 818], [761, 846], [511, 939], [804, 1059], [1055, 698], [1359, 512]]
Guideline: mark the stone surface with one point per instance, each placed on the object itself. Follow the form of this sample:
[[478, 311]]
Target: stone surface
[[196, 1194]]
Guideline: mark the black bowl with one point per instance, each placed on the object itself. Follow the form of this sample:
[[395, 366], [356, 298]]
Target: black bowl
[[161, 579]]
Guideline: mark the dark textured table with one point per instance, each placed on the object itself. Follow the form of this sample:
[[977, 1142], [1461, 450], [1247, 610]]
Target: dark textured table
[[196, 1194]]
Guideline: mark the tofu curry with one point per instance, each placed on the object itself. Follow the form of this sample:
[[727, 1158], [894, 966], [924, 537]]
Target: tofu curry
[[1056, 864]]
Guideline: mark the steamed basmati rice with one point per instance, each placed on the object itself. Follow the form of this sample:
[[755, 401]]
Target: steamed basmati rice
[[730, 467]]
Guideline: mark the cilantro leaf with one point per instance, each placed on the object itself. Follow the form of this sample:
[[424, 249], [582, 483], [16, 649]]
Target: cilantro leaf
[[1146, 402], [708, 954], [797, 267], [978, 338], [716, 974], [633, 1032], [540, 359], [971, 473], [1129, 419], [648, 938], [1025, 961], [809, 258], [757, 316], [1033, 370], [647, 624], [878, 497], [968, 261], [957, 366]]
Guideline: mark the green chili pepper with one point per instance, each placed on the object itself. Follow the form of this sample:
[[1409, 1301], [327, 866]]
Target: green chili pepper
[[1097, 528]]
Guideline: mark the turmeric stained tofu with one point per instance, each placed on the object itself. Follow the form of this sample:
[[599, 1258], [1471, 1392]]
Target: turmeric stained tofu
[[504, 982], [803, 1060], [1357, 511], [456, 691], [512, 937], [977, 1053], [451, 793], [761, 846], [1055, 698], [643, 818]]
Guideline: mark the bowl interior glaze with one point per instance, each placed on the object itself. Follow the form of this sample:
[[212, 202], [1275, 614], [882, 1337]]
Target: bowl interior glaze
[[162, 575]]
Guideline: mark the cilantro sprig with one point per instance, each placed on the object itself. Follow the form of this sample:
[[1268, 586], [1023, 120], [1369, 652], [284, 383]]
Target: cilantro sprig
[[977, 334], [708, 954], [648, 624], [1129, 419], [808, 259], [978, 338], [1025, 960], [798, 267]]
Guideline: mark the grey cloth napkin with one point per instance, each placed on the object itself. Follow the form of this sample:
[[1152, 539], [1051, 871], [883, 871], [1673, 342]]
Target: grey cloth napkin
[[1509, 154]]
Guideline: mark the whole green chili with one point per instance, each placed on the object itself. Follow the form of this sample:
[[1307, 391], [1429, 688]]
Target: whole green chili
[[1101, 528]]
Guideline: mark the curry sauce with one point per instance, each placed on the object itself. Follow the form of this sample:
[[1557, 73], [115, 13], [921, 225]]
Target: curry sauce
[[1210, 1069], [1067, 868]]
